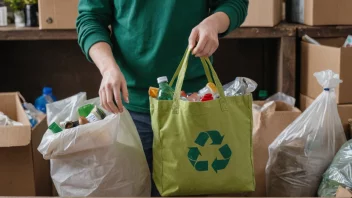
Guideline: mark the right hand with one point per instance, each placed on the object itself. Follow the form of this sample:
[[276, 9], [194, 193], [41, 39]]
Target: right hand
[[112, 85]]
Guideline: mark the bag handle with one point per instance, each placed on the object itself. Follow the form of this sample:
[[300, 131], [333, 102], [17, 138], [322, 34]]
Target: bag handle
[[204, 64], [181, 75]]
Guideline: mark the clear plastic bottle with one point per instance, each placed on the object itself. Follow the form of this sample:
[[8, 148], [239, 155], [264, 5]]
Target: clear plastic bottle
[[165, 91], [47, 97]]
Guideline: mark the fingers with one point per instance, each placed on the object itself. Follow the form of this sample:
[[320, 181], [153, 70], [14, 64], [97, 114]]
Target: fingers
[[103, 101], [198, 50], [125, 91], [193, 38], [110, 92], [117, 96]]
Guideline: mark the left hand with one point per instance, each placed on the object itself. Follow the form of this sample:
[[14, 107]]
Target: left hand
[[204, 38]]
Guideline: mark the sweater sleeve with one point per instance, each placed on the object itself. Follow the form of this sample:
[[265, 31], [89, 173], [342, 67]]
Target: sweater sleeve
[[236, 10], [94, 18]]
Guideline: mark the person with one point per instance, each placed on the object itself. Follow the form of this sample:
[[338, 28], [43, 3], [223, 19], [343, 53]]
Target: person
[[133, 42]]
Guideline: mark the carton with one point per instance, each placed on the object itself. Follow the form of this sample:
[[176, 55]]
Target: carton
[[345, 111], [330, 55], [263, 13], [343, 192], [23, 170], [320, 12], [58, 14], [267, 125]]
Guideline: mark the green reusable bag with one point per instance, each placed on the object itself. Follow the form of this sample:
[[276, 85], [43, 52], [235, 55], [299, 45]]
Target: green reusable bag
[[202, 148]]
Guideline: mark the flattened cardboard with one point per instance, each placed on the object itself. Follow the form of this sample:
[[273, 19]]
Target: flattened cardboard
[[267, 125], [343, 192], [263, 13], [345, 111], [320, 12], [11, 136], [331, 56], [58, 14]]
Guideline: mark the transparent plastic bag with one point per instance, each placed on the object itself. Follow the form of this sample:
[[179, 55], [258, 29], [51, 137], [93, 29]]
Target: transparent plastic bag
[[303, 151], [283, 98], [100, 159], [339, 173], [240, 86]]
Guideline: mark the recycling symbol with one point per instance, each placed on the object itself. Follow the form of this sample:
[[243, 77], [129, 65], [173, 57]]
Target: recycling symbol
[[218, 163]]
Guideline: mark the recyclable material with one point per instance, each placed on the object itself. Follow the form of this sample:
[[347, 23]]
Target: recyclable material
[[183, 94], [283, 98], [165, 91], [263, 95], [343, 192], [95, 115], [55, 128], [102, 159], [85, 110], [348, 42], [32, 113], [308, 39], [82, 120], [194, 97], [210, 88], [153, 92], [239, 87], [207, 97], [6, 121], [300, 155], [70, 124], [47, 97], [339, 172]]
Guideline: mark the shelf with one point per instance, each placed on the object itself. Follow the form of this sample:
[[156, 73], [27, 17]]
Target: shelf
[[324, 31], [13, 33]]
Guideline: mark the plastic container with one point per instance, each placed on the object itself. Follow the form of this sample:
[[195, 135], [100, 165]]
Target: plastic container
[[47, 97], [165, 91]]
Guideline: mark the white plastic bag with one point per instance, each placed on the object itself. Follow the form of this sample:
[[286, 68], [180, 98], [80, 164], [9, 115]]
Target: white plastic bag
[[283, 98], [303, 151], [100, 159]]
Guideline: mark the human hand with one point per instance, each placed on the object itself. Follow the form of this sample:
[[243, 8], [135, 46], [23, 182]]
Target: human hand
[[112, 84], [204, 38]]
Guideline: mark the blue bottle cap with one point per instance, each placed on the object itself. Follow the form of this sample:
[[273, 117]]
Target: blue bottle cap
[[47, 90]]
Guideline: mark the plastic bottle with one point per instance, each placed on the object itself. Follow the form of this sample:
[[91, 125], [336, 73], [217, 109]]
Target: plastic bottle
[[47, 97], [207, 97], [263, 95], [209, 88], [165, 91]]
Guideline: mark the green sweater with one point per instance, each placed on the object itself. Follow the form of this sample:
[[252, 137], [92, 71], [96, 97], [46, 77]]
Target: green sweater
[[149, 38]]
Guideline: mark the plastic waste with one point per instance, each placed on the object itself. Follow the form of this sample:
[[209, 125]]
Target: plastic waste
[[308, 39], [165, 91], [303, 151], [100, 159], [207, 97], [47, 97], [283, 98], [348, 42], [339, 173], [210, 88], [6, 121], [240, 86]]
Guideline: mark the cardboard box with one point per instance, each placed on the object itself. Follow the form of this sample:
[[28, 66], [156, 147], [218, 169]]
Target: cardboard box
[[263, 13], [320, 12], [329, 55], [345, 112], [343, 192], [267, 125], [23, 170], [58, 14]]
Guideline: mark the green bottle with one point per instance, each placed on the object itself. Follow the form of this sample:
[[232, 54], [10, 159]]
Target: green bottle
[[263, 95], [165, 91]]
